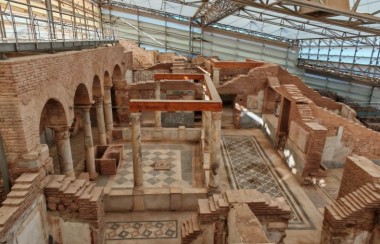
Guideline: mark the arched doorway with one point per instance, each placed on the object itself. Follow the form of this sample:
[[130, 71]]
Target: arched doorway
[[118, 82], [83, 140], [97, 95], [53, 116]]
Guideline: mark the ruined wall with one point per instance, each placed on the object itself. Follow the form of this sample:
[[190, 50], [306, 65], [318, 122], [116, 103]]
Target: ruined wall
[[353, 217], [142, 59], [243, 226], [286, 78], [358, 171], [75, 210], [27, 83], [345, 137], [23, 214]]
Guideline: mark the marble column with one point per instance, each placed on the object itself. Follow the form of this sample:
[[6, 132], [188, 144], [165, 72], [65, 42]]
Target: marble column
[[206, 124], [108, 109], [88, 143], [100, 121], [136, 151], [216, 124], [62, 139], [216, 76], [157, 93]]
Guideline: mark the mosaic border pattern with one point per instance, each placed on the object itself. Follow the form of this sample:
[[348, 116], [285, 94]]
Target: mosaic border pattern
[[265, 171], [132, 230]]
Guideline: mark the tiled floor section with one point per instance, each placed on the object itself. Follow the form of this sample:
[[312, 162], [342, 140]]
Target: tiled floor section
[[152, 177], [151, 217], [142, 230], [250, 168], [180, 173]]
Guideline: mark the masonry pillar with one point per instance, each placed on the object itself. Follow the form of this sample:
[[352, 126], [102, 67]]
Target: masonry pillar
[[213, 185], [206, 124], [138, 189], [157, 93], [216, 76], [62, 139], [136, 151], [100, 121], [108, 110], [88, 143]]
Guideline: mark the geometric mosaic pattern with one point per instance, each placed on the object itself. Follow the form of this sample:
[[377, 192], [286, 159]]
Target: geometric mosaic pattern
[[248, 167], [151, 176], [141, 230]]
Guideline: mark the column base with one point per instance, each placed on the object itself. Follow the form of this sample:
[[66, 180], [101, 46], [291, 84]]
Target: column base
[[94, 176], [138, 200], [213, 190], [69, 173]]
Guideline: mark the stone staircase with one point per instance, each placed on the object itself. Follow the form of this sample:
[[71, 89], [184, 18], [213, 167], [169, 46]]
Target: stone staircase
[[354, 206], [190, 230], [211, 209], [261, 204]]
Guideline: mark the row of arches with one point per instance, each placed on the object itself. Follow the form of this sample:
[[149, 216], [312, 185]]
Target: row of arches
[[90, 96]]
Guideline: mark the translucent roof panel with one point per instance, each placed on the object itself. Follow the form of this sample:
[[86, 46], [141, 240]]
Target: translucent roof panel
[[268, 21]]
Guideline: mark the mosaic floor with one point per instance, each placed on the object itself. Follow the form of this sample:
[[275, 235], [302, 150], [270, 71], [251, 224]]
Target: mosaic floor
[[248, 167], [175, 176], [141, 230]]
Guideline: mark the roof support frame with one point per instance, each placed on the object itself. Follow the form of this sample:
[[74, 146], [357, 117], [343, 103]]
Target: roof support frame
[[355, 25]]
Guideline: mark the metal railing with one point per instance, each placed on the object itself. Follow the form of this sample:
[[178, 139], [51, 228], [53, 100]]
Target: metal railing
[[59, 25]]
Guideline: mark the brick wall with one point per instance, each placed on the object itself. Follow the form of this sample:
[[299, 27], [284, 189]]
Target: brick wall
[[27, 83], [361, 140], [353, 217], [358, 171], [286, 78]]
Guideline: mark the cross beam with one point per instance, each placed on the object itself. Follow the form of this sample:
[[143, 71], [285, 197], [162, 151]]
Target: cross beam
[[212, 11]]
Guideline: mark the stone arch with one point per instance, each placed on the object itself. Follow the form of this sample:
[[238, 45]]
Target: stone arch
[[107, 79], [97, 90], [117, 75], [53, 114], [82, 96], [80, 77]]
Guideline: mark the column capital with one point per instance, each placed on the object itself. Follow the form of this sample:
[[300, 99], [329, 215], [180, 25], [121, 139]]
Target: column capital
[[98, 101], [59, 128], [61, 135], [86, 108], [107, 87], [216, 115], [135, 117]]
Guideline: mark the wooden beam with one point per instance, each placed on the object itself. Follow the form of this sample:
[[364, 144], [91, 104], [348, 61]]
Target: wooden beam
[[213, 93], [179, 76], [138, 105]]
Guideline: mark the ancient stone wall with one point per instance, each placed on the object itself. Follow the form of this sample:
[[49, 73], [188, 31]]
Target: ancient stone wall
[[23, 203], [243, 226], [351, 137], [358, 171], [286, 78], [28, 83], [75, 200], [353, 217]]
